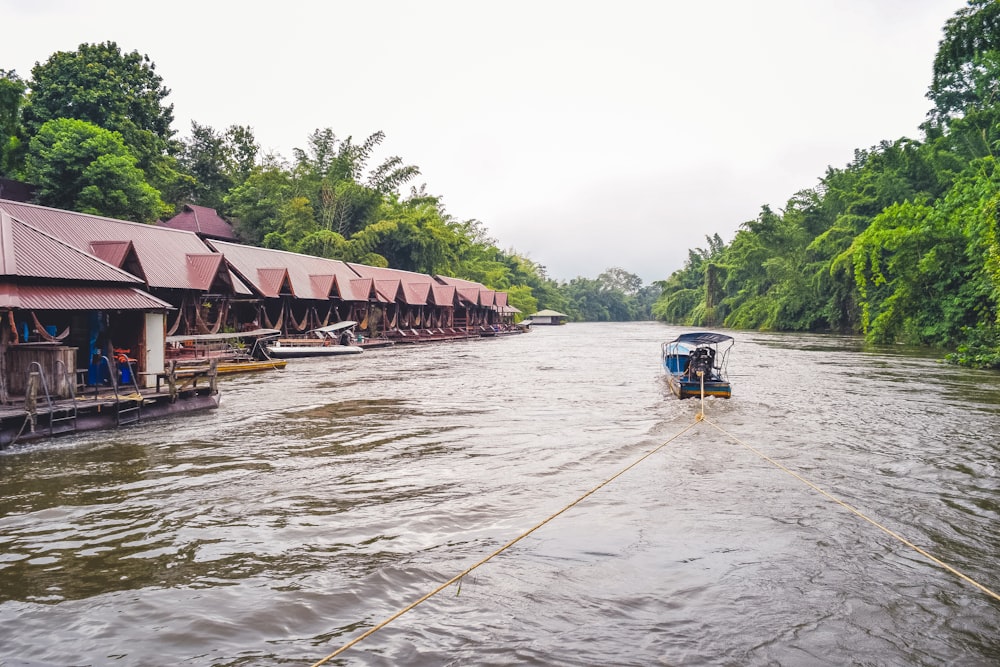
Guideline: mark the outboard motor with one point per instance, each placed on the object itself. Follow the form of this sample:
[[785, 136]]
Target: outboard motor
[[701, 361]]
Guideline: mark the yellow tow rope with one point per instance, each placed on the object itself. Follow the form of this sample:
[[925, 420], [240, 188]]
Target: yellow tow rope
[[700, 417]]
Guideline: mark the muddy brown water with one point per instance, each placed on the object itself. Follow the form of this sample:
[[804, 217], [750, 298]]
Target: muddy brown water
[[321, 499]]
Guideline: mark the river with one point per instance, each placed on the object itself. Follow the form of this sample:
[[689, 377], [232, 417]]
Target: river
[[322, 499]]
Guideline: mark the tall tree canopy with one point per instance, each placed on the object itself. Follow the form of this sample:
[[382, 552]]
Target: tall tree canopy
[[99, 84], [901, 245], [82, 167], [12, 90]]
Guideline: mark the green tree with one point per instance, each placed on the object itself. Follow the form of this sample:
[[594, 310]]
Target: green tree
[[12, 90], [99, 84], [965, 67], [81, 167], [120, 92], [217, 161]]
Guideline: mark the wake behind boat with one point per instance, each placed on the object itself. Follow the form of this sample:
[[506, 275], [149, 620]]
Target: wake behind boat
[[696, 363]]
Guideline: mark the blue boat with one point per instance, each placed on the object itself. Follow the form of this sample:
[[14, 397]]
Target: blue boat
[[695, 364]]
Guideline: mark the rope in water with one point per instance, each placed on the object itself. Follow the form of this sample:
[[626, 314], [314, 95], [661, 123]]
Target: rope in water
[[699, 417], [856, 512], [517, 539]]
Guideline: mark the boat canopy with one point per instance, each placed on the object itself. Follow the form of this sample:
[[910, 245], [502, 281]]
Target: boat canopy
[[702, 338], [336, 327], [256, 333]]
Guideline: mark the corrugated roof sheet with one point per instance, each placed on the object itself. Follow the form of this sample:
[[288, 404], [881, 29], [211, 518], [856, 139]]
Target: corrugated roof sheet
[[443, 295], [468, 296], [389, 290], [246, 260], [77, 297], [324, 285], [203, 269], [364, 289], [415, 287], [112, 252], [416, 293], [160, 250], [30, 253], [201, 220], [274, 282], [486, 297]]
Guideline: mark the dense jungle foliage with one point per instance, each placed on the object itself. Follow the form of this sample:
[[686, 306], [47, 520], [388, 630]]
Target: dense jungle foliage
[[91, 132], [900, 245]]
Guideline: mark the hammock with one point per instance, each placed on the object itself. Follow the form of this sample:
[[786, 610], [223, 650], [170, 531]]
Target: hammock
[[298, 326], [43, 332], [177, 320], [200, 324], [326, 320]]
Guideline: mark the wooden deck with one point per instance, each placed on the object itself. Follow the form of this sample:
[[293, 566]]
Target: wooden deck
[[28, 418]]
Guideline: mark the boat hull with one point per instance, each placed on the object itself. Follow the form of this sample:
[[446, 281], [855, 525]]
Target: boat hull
[[297, 351], [682, 388]]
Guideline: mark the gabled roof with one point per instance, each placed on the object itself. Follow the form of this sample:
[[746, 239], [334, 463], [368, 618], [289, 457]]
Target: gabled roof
[[274, 282], [471, 293], [501, 301], [27, 252], [416, 294], [113, 252], [203, 221], [246, 261], [121, 254], [443, 295], [325, 285], [364, 287], [389, 290], [468, 296], [159, 250], [206, 271], [414, 288]]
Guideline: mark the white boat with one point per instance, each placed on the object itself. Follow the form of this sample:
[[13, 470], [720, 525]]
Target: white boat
[[323, 343], [286, 348]]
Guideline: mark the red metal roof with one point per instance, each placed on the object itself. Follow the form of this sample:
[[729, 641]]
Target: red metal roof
[[468, 296], [389, 290], [30, 253], [364, 287], [413, 288], [201, 220], [416, 294], [160, 250], [486, 297], [112, 252], [444, 295], [78, 297], [203, 270], [247, 261], [274, 282]]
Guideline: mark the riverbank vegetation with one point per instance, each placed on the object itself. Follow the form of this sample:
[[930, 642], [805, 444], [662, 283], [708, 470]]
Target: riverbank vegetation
[[91, 132], [900, 245]]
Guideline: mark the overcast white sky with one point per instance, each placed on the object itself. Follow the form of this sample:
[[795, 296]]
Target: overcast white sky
[[583, 134]]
